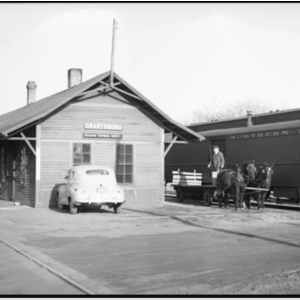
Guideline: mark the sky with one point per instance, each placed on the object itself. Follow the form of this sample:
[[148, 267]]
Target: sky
[[180, 56]]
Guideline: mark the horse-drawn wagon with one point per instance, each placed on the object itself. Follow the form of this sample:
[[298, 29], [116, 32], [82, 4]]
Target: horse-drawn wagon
[[192, 183], [228, 184]]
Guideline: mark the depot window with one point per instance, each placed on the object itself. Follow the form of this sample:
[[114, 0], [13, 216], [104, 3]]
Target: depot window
[[125, 163], [81, 154]]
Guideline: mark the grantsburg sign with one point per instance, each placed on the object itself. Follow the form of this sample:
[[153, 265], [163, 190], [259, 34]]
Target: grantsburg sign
[[102, 126]]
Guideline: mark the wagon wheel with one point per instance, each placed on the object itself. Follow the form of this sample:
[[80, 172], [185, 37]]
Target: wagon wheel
[[180, 195], [207, 198]]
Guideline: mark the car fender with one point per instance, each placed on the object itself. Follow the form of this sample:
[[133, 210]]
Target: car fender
[[122, 191], [72, 193]]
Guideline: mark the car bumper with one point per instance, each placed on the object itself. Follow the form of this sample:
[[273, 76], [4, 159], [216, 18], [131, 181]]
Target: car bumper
[[99, 201]]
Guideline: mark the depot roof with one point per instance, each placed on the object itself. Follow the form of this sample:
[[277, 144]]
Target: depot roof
[[31, 114]]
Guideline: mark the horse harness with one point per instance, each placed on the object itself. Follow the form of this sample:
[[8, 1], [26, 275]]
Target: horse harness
[[262, 184], [239, 178]]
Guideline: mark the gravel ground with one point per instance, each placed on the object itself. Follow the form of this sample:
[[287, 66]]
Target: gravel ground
[[172, 249]]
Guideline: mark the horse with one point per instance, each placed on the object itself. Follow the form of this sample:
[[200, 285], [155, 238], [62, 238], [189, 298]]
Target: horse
[[268, 172], [248, 171], [234, 183], [262, 180]]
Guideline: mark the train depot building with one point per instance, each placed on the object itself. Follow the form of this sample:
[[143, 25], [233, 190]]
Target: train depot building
[[102, 121]]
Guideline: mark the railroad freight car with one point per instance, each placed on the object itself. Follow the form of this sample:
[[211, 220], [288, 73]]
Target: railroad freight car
[[277, 143]]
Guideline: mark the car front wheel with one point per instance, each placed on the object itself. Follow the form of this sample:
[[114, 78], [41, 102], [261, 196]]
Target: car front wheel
[[117, 208], [73, 207], [59, 204]]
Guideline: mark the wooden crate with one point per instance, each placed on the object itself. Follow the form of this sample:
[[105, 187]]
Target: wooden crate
[[186, 178]]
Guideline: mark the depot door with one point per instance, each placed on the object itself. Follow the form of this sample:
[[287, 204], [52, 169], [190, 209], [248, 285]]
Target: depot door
[[7, 182]]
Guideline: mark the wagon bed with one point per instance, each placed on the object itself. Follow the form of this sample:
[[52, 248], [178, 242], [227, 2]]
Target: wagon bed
[[191, 182]]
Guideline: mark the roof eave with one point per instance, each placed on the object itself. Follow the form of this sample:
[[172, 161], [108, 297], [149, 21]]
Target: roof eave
[[44, 114], [195, 136]]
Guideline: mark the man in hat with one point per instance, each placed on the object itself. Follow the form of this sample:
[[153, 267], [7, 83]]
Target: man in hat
[[218, 161]]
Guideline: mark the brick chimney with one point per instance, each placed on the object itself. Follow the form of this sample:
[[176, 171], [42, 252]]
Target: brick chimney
[[74, 77], [249, 115], [31, 88]]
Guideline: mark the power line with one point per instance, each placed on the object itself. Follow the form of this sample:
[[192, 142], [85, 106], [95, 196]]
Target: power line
[[196, 33], [166, 38]]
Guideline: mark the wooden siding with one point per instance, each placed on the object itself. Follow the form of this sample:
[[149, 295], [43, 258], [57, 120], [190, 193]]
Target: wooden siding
[[148, 175], [54, 166], [104, 154], [65, 127], [147, 164], [68, 123], [149, 196], [54, 163]]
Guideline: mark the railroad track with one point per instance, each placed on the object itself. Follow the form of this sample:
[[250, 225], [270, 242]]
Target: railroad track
[[283, 206], [268, 203]]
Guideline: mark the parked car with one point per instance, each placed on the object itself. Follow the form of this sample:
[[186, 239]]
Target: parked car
[[90, 185]]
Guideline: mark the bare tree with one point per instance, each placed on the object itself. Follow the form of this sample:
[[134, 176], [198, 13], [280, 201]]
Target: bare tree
[[255, 105], [216, 111]]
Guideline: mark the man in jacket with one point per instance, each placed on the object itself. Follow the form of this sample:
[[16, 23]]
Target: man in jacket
[[218, 161]]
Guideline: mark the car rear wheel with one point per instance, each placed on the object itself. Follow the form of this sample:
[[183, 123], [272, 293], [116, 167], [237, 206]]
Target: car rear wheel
[[73, 208], [117, 208], [59, 204]]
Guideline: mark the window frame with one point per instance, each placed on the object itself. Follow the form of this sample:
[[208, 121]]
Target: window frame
[[73, 154], [132, 164]]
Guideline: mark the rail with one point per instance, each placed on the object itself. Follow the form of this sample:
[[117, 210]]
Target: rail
[[50, 269]]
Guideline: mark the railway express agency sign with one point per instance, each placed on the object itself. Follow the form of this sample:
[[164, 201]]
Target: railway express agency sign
[[103, 126], [102, 136], [264, 134]]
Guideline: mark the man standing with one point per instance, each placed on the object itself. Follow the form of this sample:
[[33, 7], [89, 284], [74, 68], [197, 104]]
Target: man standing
[[218, 161]]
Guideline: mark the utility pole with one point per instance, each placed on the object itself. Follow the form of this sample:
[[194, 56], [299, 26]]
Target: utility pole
[[113, 53]]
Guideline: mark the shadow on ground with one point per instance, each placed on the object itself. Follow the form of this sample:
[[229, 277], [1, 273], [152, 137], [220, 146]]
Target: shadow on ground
[[189, 223], [84, 210]]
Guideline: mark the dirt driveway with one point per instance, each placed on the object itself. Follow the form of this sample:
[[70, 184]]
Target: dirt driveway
[[174, 249]]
